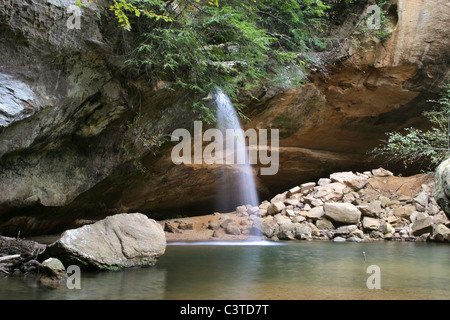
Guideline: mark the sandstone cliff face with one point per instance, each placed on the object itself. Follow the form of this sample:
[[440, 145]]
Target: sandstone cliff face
[[77, 133], [331, 122]]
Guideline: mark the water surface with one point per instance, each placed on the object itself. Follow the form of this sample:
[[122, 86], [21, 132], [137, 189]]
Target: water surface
[[294, 270]]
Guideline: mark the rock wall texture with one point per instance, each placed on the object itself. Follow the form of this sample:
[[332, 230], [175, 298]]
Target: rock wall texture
[[77, 132]]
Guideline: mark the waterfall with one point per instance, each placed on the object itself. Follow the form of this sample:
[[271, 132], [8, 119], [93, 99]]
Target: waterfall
[[236, 182]]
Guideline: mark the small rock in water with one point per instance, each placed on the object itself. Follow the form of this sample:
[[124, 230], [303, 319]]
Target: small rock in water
[[53, 273]]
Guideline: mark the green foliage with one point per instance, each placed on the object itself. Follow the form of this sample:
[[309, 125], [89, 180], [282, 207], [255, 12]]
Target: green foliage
[[235, 44], [384, 32], [122, 7], [414, 146]]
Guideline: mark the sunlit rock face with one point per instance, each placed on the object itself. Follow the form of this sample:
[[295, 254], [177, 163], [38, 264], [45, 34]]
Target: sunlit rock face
[[78, 134]]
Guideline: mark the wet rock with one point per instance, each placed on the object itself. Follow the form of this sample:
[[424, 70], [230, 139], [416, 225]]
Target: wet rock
[[302, 231], [442, 188], [315, 232], [269, 227], [339, 239], [286, 233], [423, 237], [376, 234], [346, 229], [53, 273], [119, 241], [358, 234]]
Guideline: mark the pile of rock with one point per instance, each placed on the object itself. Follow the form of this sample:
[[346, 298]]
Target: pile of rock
[[357, 207], [346, 206]]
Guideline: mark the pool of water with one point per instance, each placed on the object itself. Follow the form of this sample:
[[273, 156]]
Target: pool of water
[[288, 270]]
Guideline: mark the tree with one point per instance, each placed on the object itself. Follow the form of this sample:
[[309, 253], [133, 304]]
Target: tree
[[417, 147], [122, 7]]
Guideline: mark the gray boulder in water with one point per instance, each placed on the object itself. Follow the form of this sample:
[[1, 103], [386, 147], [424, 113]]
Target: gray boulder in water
[[119, 241], [442, 189]]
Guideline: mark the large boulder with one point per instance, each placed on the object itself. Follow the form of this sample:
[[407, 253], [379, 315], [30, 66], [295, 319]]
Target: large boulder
[[422, 226], [119, 241], [441, 233], [345, 213], [442, 189]]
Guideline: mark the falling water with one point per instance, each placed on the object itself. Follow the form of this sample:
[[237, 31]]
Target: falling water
[[236, 181]]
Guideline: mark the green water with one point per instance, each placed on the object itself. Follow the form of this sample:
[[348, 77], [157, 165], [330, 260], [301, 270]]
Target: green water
[[295, 270]]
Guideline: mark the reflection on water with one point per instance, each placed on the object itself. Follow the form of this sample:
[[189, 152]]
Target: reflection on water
[[295, 270], [228, 243]]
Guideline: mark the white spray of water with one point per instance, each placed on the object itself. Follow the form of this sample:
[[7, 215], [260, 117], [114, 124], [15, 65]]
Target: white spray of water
[[242, 185]]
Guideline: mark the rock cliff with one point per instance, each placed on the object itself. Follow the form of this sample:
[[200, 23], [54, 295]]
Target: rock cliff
[[79, 133]]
